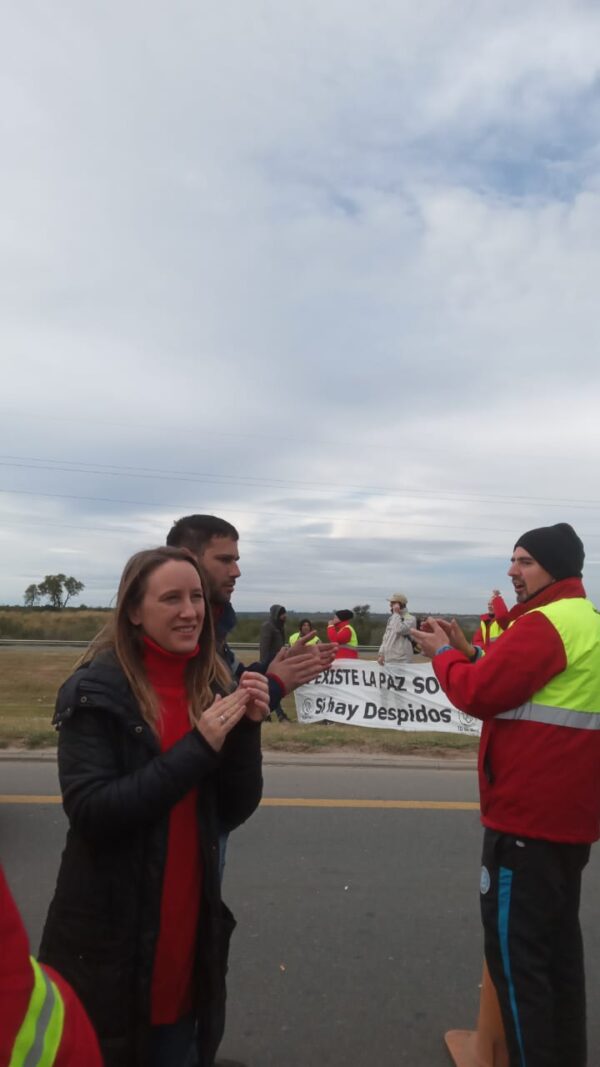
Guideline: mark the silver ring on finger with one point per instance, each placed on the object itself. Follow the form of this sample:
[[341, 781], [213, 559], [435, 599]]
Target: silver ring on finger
[[222, 718]]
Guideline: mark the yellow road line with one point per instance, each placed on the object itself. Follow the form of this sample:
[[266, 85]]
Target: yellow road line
[[296, 802]]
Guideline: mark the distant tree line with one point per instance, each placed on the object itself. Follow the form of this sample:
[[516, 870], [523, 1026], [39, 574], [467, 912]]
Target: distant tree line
[[369, 626], [57, 589]]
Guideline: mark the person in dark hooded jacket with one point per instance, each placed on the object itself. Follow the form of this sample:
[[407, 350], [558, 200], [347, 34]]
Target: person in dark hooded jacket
[[155, 757], [272, 640]]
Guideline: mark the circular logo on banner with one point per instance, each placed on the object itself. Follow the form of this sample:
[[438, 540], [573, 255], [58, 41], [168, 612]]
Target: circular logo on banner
[[484, 881], [306, 709], [466, 720]]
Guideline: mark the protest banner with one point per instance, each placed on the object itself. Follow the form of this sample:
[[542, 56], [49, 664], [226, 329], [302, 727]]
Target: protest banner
[[359, 692]]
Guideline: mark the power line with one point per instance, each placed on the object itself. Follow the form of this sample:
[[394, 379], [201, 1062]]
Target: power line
[[160, 474], [128, 424], [269, 514], [131, 528], [42, 416]]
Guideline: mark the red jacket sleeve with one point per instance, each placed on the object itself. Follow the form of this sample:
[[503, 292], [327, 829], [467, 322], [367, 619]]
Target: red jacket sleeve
[[523, 659], [500, 611], [78, 1044], [16, 975]]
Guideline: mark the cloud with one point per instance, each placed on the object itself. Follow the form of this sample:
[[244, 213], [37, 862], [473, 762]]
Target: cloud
[[332, 278]]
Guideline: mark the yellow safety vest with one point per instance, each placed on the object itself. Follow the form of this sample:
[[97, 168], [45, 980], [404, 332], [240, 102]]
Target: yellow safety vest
[[295, 637], [494, 631], [39, 1037], [572, 697], [353, 642], [488, 636]]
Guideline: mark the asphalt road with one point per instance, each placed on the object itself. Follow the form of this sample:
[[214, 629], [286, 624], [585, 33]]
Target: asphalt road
[[358, 939]]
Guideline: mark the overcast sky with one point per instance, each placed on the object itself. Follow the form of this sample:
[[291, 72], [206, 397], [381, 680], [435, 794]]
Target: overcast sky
[[329, 272]]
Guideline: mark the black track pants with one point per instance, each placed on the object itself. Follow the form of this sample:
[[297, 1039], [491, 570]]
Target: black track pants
[[530, 910]]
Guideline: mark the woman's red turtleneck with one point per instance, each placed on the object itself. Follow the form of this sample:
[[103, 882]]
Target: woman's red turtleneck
[[172, 993]]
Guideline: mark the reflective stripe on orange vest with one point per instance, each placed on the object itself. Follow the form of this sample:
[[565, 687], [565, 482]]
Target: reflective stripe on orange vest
[[553, 716], [39, 1037], [572, 697]]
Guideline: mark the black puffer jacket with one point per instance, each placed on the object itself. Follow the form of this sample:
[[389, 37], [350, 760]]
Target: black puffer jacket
[[224, 621], [118, 790]]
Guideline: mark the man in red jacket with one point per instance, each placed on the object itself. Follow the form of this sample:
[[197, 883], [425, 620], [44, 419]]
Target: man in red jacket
[[537, 690], [492, 623], [41, 1020]]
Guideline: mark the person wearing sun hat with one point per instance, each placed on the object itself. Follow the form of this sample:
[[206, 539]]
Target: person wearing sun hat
[[537, 691], [396, 645], [340, 632]]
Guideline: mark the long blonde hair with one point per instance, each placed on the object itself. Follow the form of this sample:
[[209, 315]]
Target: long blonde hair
[[203, 672]]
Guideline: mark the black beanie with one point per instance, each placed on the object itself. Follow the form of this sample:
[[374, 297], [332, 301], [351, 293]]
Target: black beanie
[[557, 549], [344, 616]]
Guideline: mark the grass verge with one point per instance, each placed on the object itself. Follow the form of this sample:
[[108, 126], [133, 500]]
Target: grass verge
[[29, 680]]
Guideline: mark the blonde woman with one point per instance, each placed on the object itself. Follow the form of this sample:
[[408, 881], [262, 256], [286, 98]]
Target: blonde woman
[[155, 756]]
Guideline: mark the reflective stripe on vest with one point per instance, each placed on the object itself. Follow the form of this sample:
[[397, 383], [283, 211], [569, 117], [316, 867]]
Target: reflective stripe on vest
[[40, 1034], [554, 716], [353, 642], [571, 698]]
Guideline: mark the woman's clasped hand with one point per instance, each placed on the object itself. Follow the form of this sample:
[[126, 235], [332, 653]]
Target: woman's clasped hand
[[251, 699]]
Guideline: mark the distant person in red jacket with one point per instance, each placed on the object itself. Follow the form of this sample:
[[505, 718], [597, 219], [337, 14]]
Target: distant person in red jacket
[[38, 1009], [537, 690], [493, 622], [340, 632]]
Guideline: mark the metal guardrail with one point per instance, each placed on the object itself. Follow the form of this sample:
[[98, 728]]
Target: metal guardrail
[[40, 642]]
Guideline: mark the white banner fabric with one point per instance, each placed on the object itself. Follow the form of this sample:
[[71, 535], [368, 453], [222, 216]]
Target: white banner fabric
[[359, 692]]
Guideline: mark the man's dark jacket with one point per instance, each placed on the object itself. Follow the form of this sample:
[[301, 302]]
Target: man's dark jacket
[[224, 620], [272, 635], [118, 790]]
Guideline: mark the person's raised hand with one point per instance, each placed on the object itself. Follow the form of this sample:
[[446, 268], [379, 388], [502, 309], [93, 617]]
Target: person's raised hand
[[283, 654], [257, 687], [431, 636], [298, 670], [223, 714], [457, 639], [325, 653], [299, 646]]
